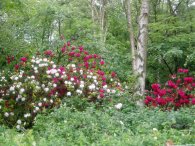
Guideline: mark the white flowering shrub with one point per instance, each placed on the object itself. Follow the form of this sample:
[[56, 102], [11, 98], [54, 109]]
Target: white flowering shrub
[[41, 82]]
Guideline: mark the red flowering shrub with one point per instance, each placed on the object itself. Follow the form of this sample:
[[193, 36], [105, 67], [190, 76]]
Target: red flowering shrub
[[178, 92], [41, 82]]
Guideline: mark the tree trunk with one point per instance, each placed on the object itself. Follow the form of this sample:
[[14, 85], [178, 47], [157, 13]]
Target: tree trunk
[[103, 27], [92, 11], [131, 33], [142, 46]]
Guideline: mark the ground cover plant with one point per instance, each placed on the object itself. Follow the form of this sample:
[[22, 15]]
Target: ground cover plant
[[130, 125]]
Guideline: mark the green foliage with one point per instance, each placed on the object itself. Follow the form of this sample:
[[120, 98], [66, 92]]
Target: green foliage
[[108, 126]]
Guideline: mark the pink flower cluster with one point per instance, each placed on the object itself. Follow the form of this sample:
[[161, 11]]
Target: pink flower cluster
[[177, 92]]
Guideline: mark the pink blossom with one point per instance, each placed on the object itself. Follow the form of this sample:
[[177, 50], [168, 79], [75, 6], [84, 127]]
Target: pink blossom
[[77, 55], [181, 70], [48, 53], [16, 66], [172, 84], [23, 59], [63, 49], [161, 101], [68, 43], [146, 101], [71, 54], [86, 65], [155, 87], [101, 95], [149, 98], [193, 101], [102, 62], [113, 74], [188, 80], [162, 92], [73, 48], [81, 48]]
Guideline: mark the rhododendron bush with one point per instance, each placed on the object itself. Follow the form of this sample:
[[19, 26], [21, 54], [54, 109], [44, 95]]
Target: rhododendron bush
[[41, 82], [178, 92]]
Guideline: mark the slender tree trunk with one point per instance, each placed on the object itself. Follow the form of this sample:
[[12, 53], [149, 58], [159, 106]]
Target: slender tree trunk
[[131, 33], [59, 27], [103, 27], [142, 47], [92, 11]]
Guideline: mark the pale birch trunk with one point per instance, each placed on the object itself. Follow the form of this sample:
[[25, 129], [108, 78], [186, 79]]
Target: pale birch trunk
[[142, 47], [131, 33], [92, 11], [103, 27]]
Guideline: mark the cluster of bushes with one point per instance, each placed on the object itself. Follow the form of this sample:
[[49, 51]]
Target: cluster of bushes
[[177, 92], [43, 81]]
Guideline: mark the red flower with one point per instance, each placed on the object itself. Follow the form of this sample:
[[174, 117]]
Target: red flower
[[102, 62], [146, 101], [23, 59], [177, 104], [101, 95], [178, 81], [172, 84], [155, 87], [8, 60], [101, 90], [193, 101], [16, 66], [113, 74], [149, 98], [71, 54], [86, 53], [77, 55], [73, 48], [169, 90], [154, 104], [101, 73], [48, 53], [161, 101], [95, 55], [185, 70], [86, 58], [169, 99], [181, 94], [162, 92], [63, 49], [103, 78], [188, 80], [181, 70], [81, 48], [87, 65], [68, 43], [103, 83]]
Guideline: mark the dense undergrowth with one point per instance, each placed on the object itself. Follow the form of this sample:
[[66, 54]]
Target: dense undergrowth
[[130, 125]]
